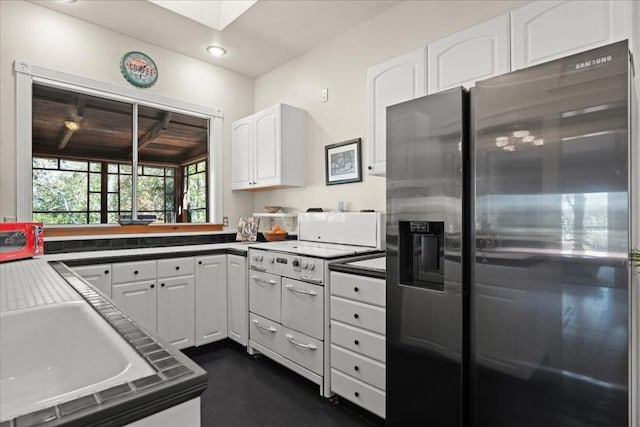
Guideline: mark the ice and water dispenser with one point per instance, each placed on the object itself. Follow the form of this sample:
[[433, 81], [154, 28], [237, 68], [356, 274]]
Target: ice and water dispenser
[[421, 254]]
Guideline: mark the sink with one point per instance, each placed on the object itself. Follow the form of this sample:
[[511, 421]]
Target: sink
[[54, 353]]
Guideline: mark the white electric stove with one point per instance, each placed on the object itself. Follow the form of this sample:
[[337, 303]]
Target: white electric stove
[[289, 295]]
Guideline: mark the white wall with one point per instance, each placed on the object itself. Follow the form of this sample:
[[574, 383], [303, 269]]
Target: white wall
[[340, 65], [52, 40]]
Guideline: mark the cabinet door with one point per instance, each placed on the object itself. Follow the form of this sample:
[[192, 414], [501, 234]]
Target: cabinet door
[[396, 80], [237, 299], [267, 137], [137, 300], [242, 154], [546, 30], [476, 53], [98, 275], [176, 313], [211, 298]]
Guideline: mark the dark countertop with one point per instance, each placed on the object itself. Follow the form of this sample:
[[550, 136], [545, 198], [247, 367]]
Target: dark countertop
[[370, 266]]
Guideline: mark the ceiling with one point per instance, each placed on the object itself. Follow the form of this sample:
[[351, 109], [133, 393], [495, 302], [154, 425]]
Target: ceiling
[[268, 34], [105, 126]]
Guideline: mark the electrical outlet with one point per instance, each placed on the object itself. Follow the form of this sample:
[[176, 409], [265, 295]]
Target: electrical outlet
[[225, 221], [325, 95], [9, 219]]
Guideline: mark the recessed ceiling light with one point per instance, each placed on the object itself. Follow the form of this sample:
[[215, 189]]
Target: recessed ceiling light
[[216, 51]]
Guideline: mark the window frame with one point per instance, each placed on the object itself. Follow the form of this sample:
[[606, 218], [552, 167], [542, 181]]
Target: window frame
[[27, 74]]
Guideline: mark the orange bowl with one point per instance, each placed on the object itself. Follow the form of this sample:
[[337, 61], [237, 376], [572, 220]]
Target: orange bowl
[[274, 237]]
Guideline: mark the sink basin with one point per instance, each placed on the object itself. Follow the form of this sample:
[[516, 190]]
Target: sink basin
[[58, 352]]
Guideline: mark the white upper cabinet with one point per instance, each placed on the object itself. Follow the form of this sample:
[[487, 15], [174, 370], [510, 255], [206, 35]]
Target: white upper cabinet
[[395, 80], [268, 149], [545, 30], [467, 56], [242, 153]]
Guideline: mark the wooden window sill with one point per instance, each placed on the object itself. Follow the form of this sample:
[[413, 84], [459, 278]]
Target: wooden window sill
[[87, 230]]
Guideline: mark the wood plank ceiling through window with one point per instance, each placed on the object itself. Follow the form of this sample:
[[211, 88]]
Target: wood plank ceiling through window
[[104, 133]]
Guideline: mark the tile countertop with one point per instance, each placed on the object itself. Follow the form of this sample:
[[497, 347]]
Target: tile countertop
[[240, 248], [175, 378], [370, 267]]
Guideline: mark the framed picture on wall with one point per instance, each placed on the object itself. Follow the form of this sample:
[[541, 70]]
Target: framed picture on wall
[[343, 162]]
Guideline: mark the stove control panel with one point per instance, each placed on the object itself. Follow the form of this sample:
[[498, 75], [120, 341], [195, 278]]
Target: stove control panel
[[287, 265]]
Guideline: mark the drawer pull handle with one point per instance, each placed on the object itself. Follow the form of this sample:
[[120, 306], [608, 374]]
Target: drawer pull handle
[[356, 368], [301, 291], [177, 267], [255, 267], [307, 346], [106, 272], [135, 272], [162, 285], [266, 282], [309, 279], [153, 286], [264, 328], [356, 315], [200, 262], [356, 342], [356, 289], [357, 394]]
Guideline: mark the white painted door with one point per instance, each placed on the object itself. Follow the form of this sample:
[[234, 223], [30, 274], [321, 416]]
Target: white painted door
[[98, 275], [137, 300], [395, 80], [242, 153], [267, 142], [176, 313], [467, 56], [211, 298], [237, 299], [545, 30]]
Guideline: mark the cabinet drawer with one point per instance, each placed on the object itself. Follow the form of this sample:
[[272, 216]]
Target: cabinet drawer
[[302, 349], [358, 314], [303, 307], [264, 295], [358, 392], [265, 332], [359, 367], [175, 267], [358, 340], [134, 271], [359, 288]]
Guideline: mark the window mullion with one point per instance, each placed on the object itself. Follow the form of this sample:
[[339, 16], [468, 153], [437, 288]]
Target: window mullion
[[134, 166]]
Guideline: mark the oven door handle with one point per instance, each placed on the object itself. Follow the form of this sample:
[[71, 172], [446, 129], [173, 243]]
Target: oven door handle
[[309, 279], [268, 329], [262, 269], [307, 346], [301, 291], [266, 282]]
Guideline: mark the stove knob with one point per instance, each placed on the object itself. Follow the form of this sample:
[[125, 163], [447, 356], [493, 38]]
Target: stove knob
[[312, 266], [304, 265], [255, 257], [295, 262], [271, 260], [260, 258]]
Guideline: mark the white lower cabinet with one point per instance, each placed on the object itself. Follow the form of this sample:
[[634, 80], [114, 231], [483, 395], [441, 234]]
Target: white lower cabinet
[[237, 299], [175, 310], [138, 301], [358, 343], [98, 275], [211, 298]]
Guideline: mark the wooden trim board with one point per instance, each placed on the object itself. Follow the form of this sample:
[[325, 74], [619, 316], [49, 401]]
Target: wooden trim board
[[52, 231]]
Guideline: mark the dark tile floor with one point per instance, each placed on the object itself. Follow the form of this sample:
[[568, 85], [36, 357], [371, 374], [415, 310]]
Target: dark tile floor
[[255, 391]]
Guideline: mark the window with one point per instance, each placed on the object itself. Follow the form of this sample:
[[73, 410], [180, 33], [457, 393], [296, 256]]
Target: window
[[83, 160]]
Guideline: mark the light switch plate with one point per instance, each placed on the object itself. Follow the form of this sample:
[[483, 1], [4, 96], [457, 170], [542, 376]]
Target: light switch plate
[[325, 95]]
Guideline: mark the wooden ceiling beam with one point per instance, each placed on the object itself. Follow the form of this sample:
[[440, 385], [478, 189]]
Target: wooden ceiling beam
[[155, 132], [77, 117]]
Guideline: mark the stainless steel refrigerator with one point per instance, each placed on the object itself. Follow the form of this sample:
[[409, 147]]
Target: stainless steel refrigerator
[[507, 267]]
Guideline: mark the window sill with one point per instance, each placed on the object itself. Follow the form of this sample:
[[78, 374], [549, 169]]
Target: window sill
[[88, 230]]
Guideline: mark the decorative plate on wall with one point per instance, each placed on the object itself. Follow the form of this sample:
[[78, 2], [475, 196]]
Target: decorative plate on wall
[[139, 69]]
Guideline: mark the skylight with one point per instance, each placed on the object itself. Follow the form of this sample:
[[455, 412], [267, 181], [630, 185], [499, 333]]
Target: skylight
[[216, 14]]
